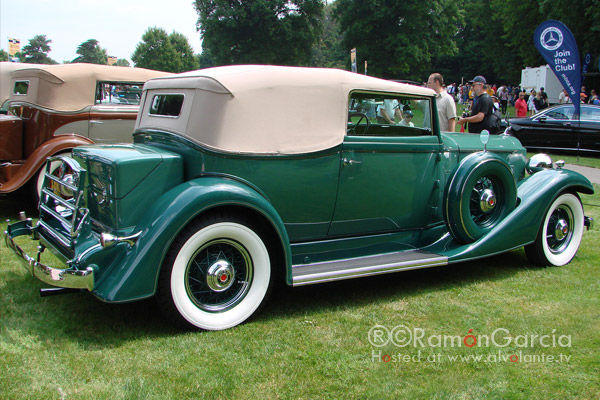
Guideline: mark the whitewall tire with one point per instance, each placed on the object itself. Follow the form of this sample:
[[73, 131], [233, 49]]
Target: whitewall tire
[[560, 234], [218, 272]]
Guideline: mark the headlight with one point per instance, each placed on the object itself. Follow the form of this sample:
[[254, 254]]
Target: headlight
[[538, 162]]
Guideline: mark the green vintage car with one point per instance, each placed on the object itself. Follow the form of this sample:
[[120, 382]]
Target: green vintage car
[[239, 175]]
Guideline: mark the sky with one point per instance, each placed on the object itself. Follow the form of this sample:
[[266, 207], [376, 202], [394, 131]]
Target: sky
[[118, 25]]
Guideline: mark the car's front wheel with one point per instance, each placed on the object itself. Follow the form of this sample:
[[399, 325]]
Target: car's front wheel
[[560, 234], [217, 273]]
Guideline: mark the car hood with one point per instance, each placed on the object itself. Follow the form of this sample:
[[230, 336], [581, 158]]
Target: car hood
[[516, 122], [471, 142]]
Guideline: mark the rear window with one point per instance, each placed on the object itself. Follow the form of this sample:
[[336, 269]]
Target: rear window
[[166, 105], [21, 87]]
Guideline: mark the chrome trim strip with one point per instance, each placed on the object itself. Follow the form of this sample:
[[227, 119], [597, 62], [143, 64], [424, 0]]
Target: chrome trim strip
[[359, 267], [58, 199], [55, 215], [60, 182], [55, 235]]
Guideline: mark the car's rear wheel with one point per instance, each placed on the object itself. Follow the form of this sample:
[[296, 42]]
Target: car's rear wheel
[[480, 195], [217, 274], [560, 234]]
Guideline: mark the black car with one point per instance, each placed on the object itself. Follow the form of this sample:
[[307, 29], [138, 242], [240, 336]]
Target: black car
[[555, 129]]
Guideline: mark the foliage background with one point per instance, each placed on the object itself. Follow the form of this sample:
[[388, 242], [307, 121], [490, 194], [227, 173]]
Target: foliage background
[[406, 39]]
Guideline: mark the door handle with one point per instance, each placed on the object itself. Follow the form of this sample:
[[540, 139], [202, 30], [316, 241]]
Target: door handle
[[350, 162], [96, 122]]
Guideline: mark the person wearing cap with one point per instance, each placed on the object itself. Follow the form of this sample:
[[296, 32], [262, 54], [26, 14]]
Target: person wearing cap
[[446, 107], [539, 102], [407, 117], [483, 106]]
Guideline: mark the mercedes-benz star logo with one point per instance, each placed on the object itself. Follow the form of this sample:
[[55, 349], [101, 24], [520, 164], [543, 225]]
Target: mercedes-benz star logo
[[551, 38]]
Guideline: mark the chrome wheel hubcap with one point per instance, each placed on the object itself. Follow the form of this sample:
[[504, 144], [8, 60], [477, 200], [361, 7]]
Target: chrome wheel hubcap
[[220, 275], [561, 230], [487, 201]]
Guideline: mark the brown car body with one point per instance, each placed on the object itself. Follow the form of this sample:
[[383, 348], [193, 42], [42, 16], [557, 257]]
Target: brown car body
[[62, 107]]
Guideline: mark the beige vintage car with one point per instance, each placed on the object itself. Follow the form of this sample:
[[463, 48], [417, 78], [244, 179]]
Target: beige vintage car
[[54, 108]]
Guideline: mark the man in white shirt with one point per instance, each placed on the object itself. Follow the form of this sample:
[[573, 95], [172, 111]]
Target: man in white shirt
[[386, 112], [446, 107]]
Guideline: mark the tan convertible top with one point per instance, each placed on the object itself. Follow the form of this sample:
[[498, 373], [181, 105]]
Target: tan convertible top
[[71, 87], [264, 109], [5, 69]]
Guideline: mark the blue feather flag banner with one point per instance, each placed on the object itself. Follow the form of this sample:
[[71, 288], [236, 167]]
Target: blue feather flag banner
[[586, 63], [557, 45]]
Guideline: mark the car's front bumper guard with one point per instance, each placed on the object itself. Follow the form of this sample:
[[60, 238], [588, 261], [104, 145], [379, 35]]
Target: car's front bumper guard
[[588, 222], [66, 278]]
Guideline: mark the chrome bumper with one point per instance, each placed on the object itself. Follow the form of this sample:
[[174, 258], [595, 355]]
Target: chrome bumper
[[67, 277], [588, 222]]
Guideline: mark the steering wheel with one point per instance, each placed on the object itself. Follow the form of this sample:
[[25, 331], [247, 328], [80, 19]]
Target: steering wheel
[[362, 116]]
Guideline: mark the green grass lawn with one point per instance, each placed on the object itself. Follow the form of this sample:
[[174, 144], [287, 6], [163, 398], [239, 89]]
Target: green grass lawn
[[313, 342]]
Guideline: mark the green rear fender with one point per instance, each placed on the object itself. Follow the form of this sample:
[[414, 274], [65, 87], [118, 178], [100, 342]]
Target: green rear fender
[[136, 275], [521, 226]]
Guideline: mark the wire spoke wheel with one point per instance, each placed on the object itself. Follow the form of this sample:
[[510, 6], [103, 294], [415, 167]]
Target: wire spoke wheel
[[219, 275], [559, 230], [485, 195]]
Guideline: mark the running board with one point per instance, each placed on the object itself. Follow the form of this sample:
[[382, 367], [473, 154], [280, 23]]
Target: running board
[[364, 266]]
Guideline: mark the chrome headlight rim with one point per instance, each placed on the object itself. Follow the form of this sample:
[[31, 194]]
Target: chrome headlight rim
[[538, 163]]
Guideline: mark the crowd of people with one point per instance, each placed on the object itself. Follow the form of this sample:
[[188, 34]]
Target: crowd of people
[[484, 104], [526, 102], [509, 95]]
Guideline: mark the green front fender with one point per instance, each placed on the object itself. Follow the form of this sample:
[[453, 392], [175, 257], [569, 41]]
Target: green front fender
[[136, 275], [521, 226]]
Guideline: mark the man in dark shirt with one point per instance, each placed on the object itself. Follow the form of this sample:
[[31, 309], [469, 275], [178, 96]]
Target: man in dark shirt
[[482, 107]]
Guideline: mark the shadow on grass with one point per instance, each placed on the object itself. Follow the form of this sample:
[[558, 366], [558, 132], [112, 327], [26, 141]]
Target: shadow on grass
[[92, 324], [364, 291]]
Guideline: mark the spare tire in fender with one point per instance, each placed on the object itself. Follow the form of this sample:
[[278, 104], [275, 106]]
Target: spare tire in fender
[[481, 193]]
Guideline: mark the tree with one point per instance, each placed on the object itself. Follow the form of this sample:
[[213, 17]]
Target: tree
[[205, 59], [122, 62], [3, 55], [90, 52], [399, 38], [36, 52], [259, 31], [328, 51], [185, 54], [163, 52], [482, 47]]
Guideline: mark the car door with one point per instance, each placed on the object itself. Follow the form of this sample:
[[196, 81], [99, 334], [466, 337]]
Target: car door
[[112, 118], [551, 129], [588, 129], [112, 124], [389, 176]]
